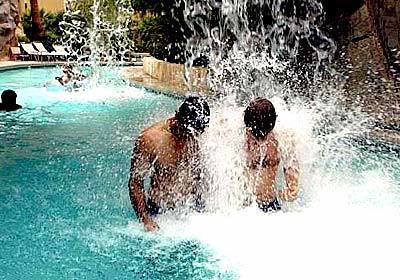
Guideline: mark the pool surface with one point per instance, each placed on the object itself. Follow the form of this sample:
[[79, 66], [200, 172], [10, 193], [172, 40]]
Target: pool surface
[[64, 204], [65, 211]]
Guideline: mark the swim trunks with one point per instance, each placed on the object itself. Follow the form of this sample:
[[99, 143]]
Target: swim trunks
[[268, 207], [153, 208]]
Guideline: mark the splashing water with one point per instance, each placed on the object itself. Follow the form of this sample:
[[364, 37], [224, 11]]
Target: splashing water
[[345, 222], [99, 37], [251, 57]]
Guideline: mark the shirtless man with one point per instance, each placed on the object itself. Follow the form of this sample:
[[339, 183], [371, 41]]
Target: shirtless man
[[264, 153], [69, 74], [167, 151], [66, 77]]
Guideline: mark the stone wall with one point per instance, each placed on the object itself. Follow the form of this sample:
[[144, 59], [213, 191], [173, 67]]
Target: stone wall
[[384, 16], [9, 20], [364, 50], [375, 39], [373, 84], [390, 23], [172, 73]]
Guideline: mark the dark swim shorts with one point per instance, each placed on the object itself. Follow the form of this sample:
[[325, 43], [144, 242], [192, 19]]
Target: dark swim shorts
[[153, 208], [268, 207]]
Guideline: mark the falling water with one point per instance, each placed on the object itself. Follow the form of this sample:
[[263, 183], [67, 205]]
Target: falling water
[[97, 39], [252, 47], [349, 201], [344, 223]]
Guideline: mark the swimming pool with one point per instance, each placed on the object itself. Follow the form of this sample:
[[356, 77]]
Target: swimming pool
[[65, 211], [64, 203]]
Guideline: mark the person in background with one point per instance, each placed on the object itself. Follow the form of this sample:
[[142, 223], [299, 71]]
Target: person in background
[[9, 101], [168, 153], [264, 153], [70, 75]]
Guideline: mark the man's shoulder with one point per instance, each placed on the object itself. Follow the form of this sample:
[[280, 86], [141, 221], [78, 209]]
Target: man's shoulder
[[153, 131], [154, 135]]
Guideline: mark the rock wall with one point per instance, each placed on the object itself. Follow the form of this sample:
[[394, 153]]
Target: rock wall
[[9, 20], [385, 19], [373, 78], [172, 73], [375, 40], [364, 50]]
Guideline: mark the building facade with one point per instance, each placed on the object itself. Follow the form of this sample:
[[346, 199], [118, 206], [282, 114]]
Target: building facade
[[47, 5]]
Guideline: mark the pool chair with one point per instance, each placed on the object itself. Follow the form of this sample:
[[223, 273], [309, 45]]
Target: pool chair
[[44, 52], [16, 54], [31, 52], [134, 58], [139, 56], [60, 52]]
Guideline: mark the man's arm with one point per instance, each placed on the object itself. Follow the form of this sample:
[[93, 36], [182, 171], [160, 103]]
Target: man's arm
[[291, 170], [139, 163], [291, 192]]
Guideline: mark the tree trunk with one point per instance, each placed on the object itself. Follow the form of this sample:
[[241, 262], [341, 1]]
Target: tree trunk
[[37, 25]]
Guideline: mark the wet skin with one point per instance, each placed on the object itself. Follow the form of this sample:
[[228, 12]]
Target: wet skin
[[263, 158], [168, 155]]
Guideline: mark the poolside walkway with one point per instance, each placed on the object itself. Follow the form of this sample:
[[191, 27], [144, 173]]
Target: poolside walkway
[[10, 65]]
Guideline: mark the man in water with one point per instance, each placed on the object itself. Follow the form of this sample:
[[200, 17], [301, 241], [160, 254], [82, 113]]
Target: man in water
[[168, 151], [264, 153], [9, 101], [70, 75]]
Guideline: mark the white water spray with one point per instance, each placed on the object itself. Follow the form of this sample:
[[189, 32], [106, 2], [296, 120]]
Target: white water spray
[[344, 225]]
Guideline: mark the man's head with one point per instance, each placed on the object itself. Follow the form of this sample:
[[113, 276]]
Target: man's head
[[9, 97], [260, 117], [193, 115]]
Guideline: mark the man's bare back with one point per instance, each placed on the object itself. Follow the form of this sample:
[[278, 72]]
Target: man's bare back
[[169, 158], [167, 152]]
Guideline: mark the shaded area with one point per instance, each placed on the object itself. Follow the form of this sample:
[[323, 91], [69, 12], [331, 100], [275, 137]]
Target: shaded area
[[338, 8]]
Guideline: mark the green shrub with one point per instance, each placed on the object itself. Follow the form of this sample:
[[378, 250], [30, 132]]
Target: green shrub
[[51, 23], [23, 39], [155, 34]]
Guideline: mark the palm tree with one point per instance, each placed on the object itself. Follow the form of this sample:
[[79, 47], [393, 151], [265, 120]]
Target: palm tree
[[37, 25]]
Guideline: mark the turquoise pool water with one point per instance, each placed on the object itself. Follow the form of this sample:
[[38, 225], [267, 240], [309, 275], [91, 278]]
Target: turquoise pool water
[[65, 211], [64, 205]]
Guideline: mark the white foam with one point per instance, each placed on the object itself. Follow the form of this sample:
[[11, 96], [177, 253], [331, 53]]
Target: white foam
[[45, 96], [331, 238]]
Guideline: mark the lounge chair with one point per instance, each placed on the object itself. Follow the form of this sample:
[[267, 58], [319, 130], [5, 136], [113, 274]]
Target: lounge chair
[[44, 52], [16, 54], [30, 51], [60, 51], [130, 56]]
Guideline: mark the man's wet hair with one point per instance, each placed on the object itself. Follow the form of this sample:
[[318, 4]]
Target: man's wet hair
[[9, 97], [260, 117], [193, 114]]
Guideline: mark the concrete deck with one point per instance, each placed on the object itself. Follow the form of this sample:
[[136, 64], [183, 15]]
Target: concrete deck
[[11, 65]]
